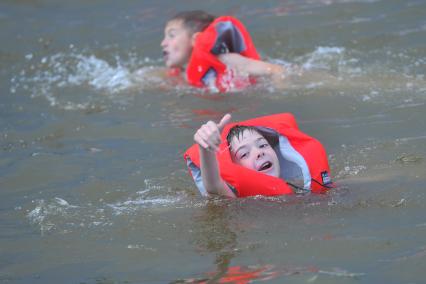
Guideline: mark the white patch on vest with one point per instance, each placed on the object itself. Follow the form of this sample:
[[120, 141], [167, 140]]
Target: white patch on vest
[[196, 175], [290, 154], [200, 69]]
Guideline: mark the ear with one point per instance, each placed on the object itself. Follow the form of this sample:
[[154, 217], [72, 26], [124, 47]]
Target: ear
[[194, 37]]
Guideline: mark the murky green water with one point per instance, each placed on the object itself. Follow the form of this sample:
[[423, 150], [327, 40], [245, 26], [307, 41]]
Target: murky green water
[[93, 188]]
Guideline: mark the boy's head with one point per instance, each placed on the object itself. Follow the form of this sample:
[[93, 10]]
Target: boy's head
[[250, 149], [179, 36]]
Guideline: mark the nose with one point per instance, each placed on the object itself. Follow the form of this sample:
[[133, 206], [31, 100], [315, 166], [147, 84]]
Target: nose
[[260, 153]]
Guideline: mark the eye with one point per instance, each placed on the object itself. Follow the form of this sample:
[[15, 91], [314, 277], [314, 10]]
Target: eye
[[244, 155], [264, 145]]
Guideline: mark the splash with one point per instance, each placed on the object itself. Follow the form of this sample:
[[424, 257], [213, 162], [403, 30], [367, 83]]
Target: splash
[[152, 196], [57, 215], [76, 80], [368, 76], [324, 58], [80, 80], [45, 213]]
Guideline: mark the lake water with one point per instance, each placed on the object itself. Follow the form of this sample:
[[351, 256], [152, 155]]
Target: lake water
[[93, 187]]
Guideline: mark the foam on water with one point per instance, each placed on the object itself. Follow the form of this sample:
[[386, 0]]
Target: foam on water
[[324, 57], [353, 73], [58, 215], [75, 80], [153, 196], [48, 214], [80, 80]]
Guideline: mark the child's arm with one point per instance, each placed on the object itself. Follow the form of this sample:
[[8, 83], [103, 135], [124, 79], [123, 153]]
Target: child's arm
[[250, 66], [208, 140]]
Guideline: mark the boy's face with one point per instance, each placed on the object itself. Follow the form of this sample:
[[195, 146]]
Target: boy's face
[[252, 150], [177, 44]]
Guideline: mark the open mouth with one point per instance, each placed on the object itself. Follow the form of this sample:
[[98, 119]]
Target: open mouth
[[265, 166], [165, 54]]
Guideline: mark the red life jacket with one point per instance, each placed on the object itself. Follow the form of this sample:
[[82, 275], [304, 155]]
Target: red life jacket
[[302, 158], [225, 34]]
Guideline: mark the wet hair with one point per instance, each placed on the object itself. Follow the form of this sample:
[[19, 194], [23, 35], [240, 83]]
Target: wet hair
[[194, 20], [238, 130]]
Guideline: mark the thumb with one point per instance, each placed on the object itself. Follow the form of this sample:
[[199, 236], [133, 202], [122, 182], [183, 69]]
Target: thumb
[[224, 121]]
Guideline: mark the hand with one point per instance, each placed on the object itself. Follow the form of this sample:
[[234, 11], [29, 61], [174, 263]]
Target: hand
[[208, 135]]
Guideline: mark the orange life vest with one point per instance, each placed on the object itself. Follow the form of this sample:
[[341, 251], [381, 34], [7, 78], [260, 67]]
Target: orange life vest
[[225, 34], [303, 161]]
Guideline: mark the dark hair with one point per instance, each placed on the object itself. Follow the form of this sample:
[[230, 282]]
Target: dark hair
[[237, 131], [195, 20]]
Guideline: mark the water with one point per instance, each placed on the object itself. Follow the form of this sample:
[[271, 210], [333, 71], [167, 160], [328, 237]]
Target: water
[[93, 185]]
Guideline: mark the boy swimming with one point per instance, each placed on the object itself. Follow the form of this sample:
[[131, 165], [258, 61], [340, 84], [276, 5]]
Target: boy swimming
[[247, 146], [180, 43], [179, 36], [266, 155]]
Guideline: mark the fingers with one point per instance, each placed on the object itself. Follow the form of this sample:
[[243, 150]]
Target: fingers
[[200, 141], [224, 121], [208, 136]]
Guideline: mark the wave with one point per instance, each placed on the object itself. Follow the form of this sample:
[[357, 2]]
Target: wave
[[80, 80]]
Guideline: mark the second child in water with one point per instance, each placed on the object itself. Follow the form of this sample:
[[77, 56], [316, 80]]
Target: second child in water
[[180, 44]]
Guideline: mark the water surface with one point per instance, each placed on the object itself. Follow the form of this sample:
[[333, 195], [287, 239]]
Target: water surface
[[93, 185]]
